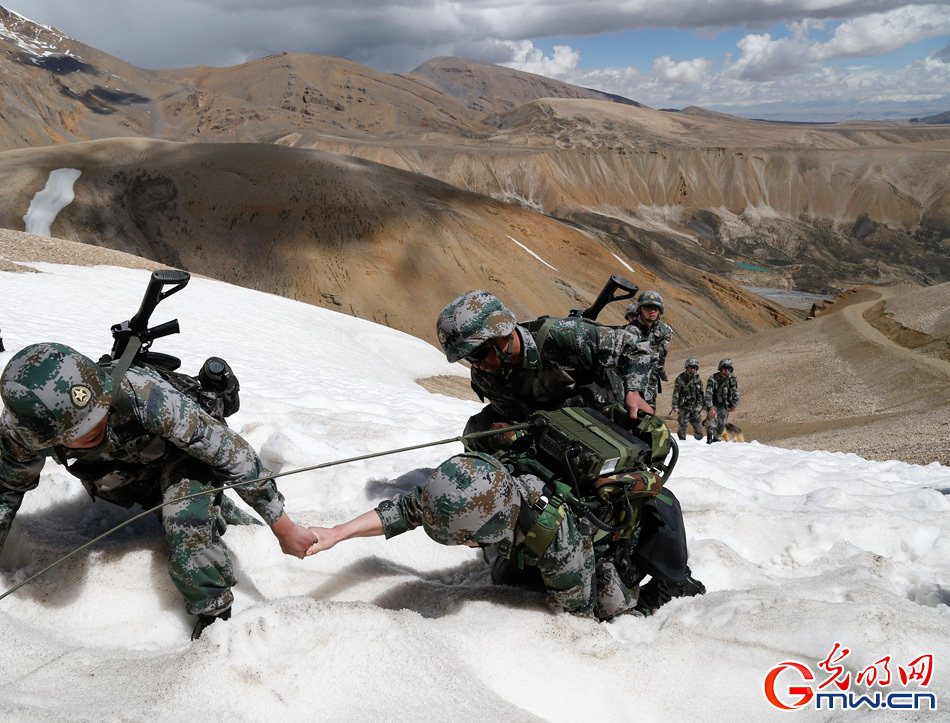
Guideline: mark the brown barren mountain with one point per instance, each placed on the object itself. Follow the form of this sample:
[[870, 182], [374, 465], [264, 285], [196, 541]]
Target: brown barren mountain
[[490, 89], [347, 234], [815, 207]]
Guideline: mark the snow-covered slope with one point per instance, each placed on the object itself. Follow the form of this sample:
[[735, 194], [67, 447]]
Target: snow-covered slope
[[799, 551]]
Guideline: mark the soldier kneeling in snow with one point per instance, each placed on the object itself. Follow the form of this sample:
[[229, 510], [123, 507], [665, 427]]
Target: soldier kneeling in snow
[[140, 441]]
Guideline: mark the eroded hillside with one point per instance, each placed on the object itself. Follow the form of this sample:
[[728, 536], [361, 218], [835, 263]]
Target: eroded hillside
[[813, 207], [351, 235]]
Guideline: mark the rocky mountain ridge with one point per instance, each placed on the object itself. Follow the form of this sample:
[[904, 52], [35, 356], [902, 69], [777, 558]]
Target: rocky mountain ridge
[[817, 208]]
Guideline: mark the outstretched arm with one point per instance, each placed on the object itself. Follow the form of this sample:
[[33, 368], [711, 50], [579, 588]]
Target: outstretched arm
[[368, 524]]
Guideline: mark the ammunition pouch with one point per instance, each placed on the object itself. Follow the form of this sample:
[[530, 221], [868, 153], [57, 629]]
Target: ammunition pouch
[[142, 490]]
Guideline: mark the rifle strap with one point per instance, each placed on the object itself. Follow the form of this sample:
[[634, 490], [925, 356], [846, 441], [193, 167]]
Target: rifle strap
[[118, 374], [125, 361]]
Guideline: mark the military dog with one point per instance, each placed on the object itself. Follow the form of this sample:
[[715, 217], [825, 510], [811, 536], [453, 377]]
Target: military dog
[[731, 433]]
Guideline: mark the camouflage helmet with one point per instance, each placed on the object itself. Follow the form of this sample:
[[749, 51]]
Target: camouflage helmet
[[691, 362], [726, 363], [470, 320], [470, 498], [650, 298], [56, 394]]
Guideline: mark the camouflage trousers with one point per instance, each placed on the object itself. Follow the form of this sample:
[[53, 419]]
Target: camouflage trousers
[[199, 563], [687, 416], [715, 427]]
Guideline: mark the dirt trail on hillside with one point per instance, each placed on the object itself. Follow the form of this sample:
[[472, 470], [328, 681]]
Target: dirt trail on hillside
[[856, 316], [837, 383]]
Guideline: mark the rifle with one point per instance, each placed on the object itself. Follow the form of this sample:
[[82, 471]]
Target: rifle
[[137, 327], [607, 296]]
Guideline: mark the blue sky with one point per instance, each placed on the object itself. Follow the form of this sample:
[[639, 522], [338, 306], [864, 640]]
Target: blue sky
[[815, 60]]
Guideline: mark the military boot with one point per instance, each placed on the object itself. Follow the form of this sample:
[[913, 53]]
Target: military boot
[[206, 619], [658, 592]]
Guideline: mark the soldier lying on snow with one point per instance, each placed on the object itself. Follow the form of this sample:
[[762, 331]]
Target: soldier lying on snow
[[140, 441], [588, 537]]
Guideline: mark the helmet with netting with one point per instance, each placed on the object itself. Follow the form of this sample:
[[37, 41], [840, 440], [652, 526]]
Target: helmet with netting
[[470, 320], [470, 498], [55, 394]]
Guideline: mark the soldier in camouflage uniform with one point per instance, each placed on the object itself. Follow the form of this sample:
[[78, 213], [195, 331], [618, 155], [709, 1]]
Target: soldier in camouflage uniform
[[542, 364], [472, 499], [688, 400], [643, 319], [478, 499], [138, 442], [722, 397]]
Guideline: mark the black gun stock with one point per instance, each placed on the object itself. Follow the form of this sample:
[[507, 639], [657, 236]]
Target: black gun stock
[[627, 288], [137, 326]]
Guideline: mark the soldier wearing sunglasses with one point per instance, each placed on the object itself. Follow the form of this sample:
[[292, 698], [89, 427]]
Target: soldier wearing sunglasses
[[547, 363]]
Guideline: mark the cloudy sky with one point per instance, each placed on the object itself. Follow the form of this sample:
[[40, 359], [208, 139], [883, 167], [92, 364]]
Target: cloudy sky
[[791, 59]]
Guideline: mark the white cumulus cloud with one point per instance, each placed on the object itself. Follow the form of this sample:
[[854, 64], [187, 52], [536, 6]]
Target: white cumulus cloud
[[884, 32], [533, 60], [685, 71]]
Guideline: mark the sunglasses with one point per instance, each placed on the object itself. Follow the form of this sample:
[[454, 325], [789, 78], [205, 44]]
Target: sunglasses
[[480, 353], [650, 307]]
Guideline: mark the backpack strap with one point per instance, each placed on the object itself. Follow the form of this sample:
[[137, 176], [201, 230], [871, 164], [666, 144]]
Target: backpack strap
[[540, 336], [540, 523]]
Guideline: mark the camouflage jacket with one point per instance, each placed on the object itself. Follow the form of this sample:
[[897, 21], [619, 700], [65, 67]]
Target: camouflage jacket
[[567, 569], [722, 393], [688, 391], [575, 352], [659, 336], [150, 425]]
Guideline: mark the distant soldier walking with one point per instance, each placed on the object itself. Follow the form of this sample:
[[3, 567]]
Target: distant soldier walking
[[688, 400], [643, 318], [722, 397]]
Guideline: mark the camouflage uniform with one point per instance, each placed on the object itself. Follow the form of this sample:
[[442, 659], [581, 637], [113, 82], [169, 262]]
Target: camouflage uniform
[[722, 394], [565, 362], [568, 568], [658, 336], [581, 363], [159, 446], [688, 401]]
